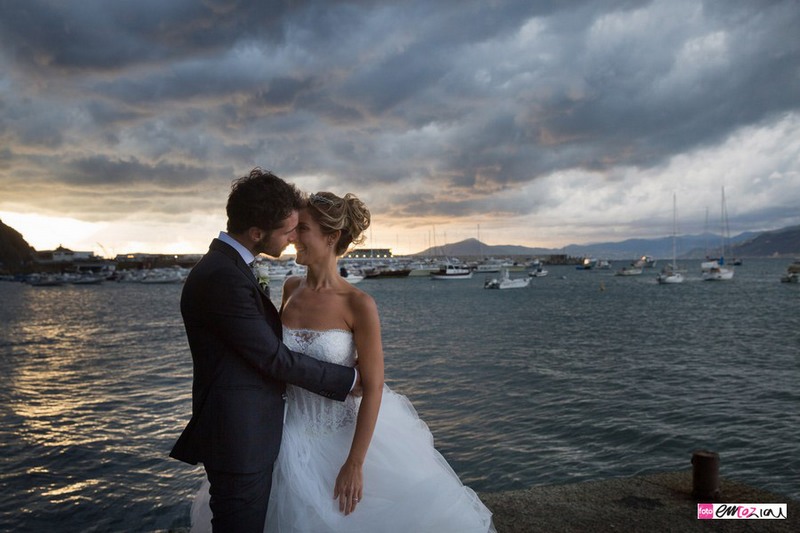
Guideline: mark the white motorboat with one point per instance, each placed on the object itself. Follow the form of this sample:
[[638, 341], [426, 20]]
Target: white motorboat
[[350, 276], [451, 271], [645, 262], [666, 277], [718, 273], [506, 282], [629, 271], [538, 273]]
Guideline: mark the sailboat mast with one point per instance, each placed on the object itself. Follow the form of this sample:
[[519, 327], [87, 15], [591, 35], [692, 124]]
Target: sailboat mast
[[674, 231]]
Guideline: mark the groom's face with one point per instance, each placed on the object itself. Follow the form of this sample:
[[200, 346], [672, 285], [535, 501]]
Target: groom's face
[[274, 243]]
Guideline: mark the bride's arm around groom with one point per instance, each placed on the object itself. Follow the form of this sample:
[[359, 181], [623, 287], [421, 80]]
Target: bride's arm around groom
[[240, 365]]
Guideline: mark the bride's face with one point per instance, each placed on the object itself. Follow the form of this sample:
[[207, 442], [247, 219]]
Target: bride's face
[[311, 244]]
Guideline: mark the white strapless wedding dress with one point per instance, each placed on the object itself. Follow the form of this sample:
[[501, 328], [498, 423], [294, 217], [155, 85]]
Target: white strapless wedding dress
[[408, 485]]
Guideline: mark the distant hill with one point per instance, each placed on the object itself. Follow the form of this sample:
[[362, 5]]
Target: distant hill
[[15, 252], [475, 248], [687, 246], [784, 242]]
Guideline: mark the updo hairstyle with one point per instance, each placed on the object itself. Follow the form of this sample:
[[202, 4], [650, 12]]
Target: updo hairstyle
[[348, 215]]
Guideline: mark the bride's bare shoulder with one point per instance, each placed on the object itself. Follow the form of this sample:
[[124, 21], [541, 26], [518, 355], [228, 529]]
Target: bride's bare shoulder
[[360, 302]]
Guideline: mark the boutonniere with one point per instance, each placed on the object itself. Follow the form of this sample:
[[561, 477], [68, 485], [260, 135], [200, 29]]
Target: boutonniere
[[262, 276]]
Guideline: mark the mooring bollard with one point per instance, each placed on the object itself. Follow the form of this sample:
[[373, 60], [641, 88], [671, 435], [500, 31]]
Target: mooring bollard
[[705, 476]]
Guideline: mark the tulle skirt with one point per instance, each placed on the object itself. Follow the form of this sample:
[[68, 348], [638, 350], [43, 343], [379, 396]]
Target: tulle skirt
[[408, 486]]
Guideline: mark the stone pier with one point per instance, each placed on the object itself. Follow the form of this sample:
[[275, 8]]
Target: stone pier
[[642, 504]]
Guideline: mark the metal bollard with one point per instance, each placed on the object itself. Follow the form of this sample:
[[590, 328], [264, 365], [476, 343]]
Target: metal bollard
[[705, 476]]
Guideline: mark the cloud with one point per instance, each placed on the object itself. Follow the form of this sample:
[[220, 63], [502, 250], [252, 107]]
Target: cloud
[[441, 111]]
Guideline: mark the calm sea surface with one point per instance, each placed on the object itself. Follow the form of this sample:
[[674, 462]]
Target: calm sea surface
[[581, 376]]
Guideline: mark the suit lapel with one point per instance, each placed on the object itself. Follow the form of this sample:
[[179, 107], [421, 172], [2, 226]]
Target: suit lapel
[[265, 304]]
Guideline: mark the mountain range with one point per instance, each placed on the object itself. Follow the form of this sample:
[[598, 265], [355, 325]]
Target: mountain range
[[781, 242], [16, 253]]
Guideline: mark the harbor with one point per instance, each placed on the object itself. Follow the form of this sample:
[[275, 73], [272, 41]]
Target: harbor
[[545, 393]]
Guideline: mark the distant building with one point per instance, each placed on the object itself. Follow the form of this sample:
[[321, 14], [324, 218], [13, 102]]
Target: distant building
[[370, 253], [64, 255], [65, 260]]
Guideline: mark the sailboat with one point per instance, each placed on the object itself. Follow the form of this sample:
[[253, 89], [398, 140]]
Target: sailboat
[[717, 270], [669, 274]]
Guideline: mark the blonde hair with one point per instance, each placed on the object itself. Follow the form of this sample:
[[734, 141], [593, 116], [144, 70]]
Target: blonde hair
[[347, 215]]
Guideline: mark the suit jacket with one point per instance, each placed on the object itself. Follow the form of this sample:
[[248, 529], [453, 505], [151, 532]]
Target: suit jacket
[[241, 367]]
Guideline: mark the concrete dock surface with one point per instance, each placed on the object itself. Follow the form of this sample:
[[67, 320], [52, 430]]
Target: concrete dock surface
[[650, 503]]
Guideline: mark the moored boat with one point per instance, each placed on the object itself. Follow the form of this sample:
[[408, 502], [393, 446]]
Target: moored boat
[[539, 272], [45, 280], [716, 269], [792, 273], [451, 271], [506, 282], [670, 275], [629, 271]]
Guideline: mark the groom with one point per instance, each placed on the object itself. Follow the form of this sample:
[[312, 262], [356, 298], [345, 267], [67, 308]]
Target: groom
[[240, 365]]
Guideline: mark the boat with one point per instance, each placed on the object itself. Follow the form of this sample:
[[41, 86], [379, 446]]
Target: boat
[[792, 273], [87, 279], [588, 263], [632, 270], [716, 269], [451, 271], [718, 273], [645, 262], [387, 271], [162, 276], [539, 272], [506, 282], [603, 264], [489, 266], [350, 276], [422, 268], [791, 278], [669, 277], [669, 274], [45, 280]]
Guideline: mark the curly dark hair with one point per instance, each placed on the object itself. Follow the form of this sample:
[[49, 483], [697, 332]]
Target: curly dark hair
[[263, 200]]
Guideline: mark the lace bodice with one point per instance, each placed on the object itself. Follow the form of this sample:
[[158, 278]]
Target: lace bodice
[[318, 415], [332, 345]]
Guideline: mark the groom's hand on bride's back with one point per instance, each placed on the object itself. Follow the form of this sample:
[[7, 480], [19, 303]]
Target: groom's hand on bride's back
[[357, 389]]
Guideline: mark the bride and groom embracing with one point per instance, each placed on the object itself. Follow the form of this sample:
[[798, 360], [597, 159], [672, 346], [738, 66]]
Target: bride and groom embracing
[[285, 443]]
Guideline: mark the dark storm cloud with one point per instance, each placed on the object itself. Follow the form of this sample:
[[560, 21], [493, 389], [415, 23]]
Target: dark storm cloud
[[110, 173], [469, 100], [101, 35]]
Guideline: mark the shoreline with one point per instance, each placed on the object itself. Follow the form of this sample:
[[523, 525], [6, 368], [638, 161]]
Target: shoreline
[[654, 502]]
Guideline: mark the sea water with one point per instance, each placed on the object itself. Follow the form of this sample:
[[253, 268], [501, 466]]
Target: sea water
[[581, 376]]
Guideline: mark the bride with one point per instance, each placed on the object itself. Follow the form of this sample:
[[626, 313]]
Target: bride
[[367, 464]]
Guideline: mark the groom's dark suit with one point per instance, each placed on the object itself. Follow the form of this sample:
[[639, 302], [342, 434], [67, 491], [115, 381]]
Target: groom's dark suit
[[240, 371]]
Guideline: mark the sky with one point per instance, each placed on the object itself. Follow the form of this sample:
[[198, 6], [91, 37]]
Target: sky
[[537, 123]]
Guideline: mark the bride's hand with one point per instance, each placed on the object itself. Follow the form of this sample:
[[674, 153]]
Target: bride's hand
[[349, 487]]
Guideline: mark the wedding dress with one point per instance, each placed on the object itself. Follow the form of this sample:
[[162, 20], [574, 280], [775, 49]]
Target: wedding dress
[[408, 485]]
